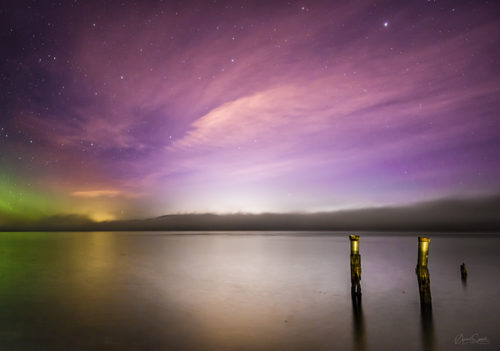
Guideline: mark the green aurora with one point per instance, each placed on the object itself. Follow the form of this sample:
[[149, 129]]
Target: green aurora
[[20, 203]]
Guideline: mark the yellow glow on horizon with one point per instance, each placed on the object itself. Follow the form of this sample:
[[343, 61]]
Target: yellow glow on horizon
[[102, 216]]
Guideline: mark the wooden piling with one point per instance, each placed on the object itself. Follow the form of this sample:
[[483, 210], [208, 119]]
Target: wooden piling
[[463, 271], [423, 278], [355, 267]]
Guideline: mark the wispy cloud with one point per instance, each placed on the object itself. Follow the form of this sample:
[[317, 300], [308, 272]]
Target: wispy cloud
[[96, 193]]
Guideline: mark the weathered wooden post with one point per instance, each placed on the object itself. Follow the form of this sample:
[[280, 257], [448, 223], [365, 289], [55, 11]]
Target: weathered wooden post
[[359, 328], [355, 267], [463, 274], [424, 287], [463, 271], [424, 283]]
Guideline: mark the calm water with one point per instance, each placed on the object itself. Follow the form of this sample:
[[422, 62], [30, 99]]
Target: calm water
[[158, 291]]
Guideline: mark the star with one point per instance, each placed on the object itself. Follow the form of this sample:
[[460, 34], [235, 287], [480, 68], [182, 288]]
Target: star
[[386, 24]]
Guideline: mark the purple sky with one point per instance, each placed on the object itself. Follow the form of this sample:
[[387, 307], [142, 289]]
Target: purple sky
[[119, 109]]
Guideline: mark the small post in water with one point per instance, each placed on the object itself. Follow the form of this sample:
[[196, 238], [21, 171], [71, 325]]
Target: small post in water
[[463, 272], [424, 283], [355, 267]]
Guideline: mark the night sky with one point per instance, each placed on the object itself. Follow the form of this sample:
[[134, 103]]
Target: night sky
[[130, 109]]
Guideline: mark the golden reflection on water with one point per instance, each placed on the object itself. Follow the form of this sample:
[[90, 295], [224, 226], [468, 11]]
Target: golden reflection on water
[[94, 255], [94, 265]]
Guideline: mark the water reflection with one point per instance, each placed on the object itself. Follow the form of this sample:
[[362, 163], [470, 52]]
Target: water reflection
[[153, 291], [358, 323], [428, 337], [424, 287]]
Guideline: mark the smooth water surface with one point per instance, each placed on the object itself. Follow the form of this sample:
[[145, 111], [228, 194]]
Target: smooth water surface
[[241, 291]]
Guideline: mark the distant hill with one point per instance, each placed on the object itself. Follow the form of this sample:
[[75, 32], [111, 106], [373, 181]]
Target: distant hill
[[455, 214]]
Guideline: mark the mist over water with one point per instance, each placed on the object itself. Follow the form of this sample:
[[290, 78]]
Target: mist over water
[[246, 291]]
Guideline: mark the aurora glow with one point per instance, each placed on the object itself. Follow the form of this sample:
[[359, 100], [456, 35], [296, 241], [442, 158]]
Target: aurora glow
[[118, 109]]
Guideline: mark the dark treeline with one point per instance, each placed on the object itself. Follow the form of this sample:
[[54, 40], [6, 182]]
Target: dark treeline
[[463, 215]]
